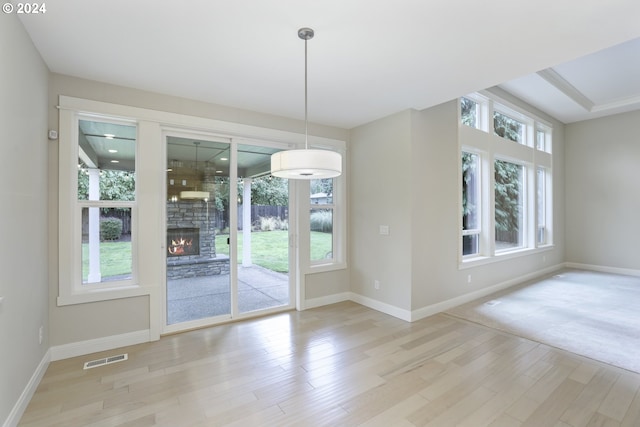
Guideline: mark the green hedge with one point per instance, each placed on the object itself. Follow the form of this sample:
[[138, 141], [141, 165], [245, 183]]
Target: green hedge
[[110, 228]]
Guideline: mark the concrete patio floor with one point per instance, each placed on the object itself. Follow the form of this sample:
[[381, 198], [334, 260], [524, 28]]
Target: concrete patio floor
[[207, 296]]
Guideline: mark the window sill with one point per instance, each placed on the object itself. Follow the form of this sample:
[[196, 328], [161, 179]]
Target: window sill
[[503, 256], [322, 268], [101, 295]]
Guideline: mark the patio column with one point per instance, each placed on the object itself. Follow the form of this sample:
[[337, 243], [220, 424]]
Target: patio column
[[246, 223], [95, 275]]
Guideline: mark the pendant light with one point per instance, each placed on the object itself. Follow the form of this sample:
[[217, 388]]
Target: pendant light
[[306, 163], [195, 194]]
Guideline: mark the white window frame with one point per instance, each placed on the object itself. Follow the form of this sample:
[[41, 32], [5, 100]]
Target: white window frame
[[338, 259], [528, 137], [526, 206], [483, 141], [482, 110], [326, 206], [72, 290], [150, 174], [480, 179]]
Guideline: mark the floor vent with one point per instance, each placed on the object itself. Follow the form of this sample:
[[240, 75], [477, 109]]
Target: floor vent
[[106, 361]]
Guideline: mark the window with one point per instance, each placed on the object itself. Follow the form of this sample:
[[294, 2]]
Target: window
[[473, 111], [543, 139], [509, 128], [106, 198], [98, 208], [469, 112], [509, 205], [541, 204], [506, 188], [471, 200], [321, 221]]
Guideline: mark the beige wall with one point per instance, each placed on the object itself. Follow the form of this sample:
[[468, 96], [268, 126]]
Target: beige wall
[[603, 192], [23, 217], [380, 193], [82, 322], [404, 173]]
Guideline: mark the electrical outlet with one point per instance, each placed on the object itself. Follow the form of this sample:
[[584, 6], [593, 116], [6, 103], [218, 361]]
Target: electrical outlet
[[376, 284], [40, 334], [468, 278]]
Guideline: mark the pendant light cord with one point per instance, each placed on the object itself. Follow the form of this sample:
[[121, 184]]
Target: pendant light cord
[[306, 119]]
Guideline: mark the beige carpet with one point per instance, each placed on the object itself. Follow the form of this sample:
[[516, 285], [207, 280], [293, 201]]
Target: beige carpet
[[595, 315]]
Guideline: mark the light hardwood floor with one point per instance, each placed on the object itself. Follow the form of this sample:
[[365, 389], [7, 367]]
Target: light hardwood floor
[[340, 365]]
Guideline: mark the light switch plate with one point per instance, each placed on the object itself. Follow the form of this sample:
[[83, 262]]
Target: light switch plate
[[384, 230]]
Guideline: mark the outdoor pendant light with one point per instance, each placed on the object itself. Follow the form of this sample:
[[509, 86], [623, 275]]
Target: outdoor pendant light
[[306, 163], [195, 194]]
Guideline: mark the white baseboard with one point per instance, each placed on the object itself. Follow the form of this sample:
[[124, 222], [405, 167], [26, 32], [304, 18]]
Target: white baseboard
[[603, 269], [439, 307], [421, 313], [23, 401], [430, 310], [367, 302], [389, 309], [81, 348], [329, 299]]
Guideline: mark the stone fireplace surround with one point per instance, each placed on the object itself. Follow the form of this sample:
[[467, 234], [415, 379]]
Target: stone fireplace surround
[[193, 214]]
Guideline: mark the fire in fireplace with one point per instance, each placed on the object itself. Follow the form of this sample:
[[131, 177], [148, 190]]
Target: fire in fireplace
[[183, 242]]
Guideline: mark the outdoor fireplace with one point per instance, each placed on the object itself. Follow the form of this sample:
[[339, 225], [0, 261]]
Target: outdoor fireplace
[[183, 242]]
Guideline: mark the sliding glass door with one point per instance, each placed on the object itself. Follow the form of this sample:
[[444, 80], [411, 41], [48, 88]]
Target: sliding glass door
[[263, 233], [227, 233], [197, 219]]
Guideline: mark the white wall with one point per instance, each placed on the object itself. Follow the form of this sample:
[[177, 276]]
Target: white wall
[[603, 192], [23, 217], [380, 193], [83, 322], [404, 172]]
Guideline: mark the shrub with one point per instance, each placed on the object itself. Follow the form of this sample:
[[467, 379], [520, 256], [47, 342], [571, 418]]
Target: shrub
[[270, 223], [110, 228], [322, 221]]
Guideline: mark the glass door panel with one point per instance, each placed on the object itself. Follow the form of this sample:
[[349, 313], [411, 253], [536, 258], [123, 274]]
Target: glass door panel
[[262, 233], [197, 249]]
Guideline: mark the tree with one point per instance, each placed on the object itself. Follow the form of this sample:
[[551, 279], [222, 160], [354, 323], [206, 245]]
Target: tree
[[508, 178], [507, 127], [114, 185], [468, 174], [268, 190], [468, 112], [322, 186]]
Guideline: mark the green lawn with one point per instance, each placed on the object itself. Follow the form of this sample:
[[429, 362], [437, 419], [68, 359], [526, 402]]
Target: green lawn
[[115, 259], [270, 249]]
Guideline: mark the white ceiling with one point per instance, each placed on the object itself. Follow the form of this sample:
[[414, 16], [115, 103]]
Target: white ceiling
[[368, 59], [603, 83]]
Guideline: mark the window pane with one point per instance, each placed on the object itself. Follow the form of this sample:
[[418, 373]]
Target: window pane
[[469, 112], [321, 239], [321, 191], [509, 197], [470, 244], [106, 244], [506, 127], [541, 207], [470, 201], [106, 161], [540, 136]]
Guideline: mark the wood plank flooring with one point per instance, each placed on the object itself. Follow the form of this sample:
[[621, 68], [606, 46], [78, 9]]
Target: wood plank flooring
[[339, 365]]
